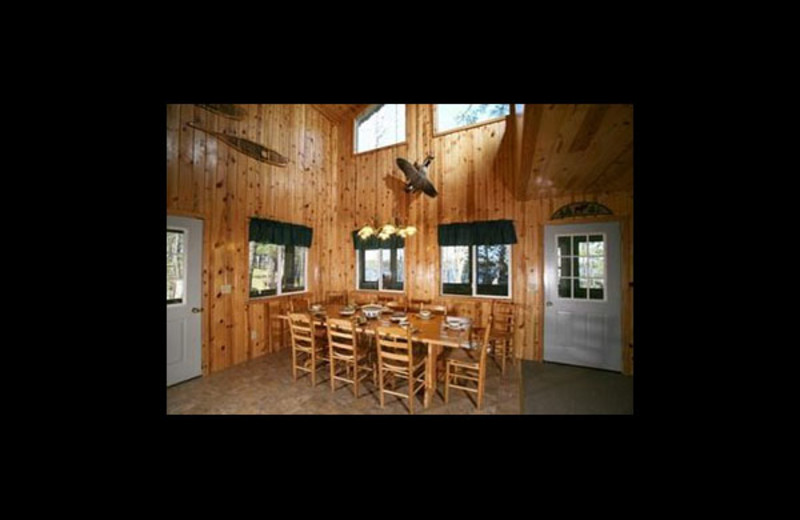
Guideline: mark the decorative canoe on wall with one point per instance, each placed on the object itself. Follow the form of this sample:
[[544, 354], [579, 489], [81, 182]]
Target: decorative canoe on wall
[[229, 111], [247, 147]]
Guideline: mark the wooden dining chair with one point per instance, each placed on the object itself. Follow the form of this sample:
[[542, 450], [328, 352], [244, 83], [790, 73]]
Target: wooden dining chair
[[398, 303], [466, 370], [362, 299], [346, 353], [437, 307], [398, 359], [309, 351], [502, 333], [299, 304], [417, 304], [336, 297]]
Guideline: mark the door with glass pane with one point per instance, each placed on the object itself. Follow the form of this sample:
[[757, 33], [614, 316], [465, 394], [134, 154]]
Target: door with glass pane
[[184, 298], [583, 305]]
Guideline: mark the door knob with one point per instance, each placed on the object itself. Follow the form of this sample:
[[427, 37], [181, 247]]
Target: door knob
[[196, 310], [549, 304]]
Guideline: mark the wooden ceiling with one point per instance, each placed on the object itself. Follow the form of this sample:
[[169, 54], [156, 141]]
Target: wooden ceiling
[[340, 113], [560, 149], [573, 149]]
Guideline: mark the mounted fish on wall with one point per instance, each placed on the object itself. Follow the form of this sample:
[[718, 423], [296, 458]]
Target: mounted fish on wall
[[229, 111], [417, 176], [249, 148]]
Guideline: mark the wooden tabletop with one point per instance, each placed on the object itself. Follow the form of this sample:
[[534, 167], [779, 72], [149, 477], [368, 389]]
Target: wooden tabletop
[[431, 331]]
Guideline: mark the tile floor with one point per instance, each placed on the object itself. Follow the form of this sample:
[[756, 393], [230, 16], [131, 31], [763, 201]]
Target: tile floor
[[264, 386]]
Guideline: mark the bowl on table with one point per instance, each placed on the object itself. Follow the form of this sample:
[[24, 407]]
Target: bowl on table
[[398, 317], [372, 311], [425, 314], [457, 322], [316, 307]]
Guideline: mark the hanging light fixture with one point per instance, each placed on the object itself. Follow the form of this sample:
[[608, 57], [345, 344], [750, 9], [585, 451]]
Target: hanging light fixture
[[387, 230]]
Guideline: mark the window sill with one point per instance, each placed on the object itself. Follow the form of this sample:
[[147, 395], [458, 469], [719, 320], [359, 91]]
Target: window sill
[[468, 127], [261, 299], [357, 154]]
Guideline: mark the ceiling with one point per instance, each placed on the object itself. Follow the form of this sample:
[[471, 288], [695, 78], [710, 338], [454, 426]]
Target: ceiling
[[575, 148], [562, 148], [340, 113]]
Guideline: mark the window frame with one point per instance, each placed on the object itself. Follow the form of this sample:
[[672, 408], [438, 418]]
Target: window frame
[[281, 261], [577, 256], [474, 274], [355, 130], [380, 275], [437, 132], [185, 232]]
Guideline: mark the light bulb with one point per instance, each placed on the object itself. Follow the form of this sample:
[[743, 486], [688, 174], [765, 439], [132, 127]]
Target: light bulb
[[410, 230], [366, 232], [388, 229]]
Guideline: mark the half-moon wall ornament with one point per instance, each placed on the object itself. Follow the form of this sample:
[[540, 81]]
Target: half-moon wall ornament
[[581, 209], [229, 111], [249, 148]]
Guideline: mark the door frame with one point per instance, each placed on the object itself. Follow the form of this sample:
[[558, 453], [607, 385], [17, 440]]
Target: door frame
[[626, 325], [204, 301]]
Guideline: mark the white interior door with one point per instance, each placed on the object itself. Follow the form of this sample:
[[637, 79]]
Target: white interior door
[[583, 305], [184, 298]]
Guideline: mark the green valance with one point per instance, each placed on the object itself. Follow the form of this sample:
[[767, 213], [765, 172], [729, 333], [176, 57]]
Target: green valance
[[373, 242], [280, 233], [477, 233]]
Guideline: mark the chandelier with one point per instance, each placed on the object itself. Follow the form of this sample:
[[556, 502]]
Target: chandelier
[[385, 231]]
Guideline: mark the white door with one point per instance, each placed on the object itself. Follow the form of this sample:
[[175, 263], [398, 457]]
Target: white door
[[184, 298], [583, 304]]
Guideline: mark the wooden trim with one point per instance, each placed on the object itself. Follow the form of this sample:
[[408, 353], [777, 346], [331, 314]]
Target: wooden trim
[[360, 154]]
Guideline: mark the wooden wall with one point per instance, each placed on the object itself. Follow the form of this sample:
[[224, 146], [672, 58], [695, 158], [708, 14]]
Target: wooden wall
[[209, 180], [327, 187], [473, 173]]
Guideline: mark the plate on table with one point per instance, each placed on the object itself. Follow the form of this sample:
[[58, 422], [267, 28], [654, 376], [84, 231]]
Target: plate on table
[[347, 312]]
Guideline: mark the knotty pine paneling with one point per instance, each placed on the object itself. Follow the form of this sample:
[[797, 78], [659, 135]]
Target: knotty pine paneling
[[328, 187], [473, 173], [209, 180]]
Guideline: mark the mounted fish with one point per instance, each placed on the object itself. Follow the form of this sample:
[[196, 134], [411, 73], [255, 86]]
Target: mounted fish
[[249, 148], [417, 176], [229, 111]]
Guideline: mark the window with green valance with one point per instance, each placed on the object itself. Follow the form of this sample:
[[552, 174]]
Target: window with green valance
[[476, 258], [280, 233], [373, 242], [380, 264], [488, 232]]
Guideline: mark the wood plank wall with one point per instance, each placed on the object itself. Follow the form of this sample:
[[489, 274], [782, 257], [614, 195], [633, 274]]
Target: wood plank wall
[[473, 173], [327, 187], [209, 180]]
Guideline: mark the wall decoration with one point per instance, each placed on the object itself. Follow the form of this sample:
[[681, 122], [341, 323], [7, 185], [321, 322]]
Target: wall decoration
[[417, 176], [229, 111], [249, 148], [581, 209]]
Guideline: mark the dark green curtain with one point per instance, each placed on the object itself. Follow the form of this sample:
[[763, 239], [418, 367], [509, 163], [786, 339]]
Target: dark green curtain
[[280, 233], [373, 242], [477, 233]]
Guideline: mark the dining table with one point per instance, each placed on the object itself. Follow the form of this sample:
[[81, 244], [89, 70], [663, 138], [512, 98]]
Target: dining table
[[432, 332]]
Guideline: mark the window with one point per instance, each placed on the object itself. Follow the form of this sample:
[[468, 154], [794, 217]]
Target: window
[[176, 266], [449, 117], [581, 267], [277, 269], [379, 126], [381, 269], [481, 270]]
